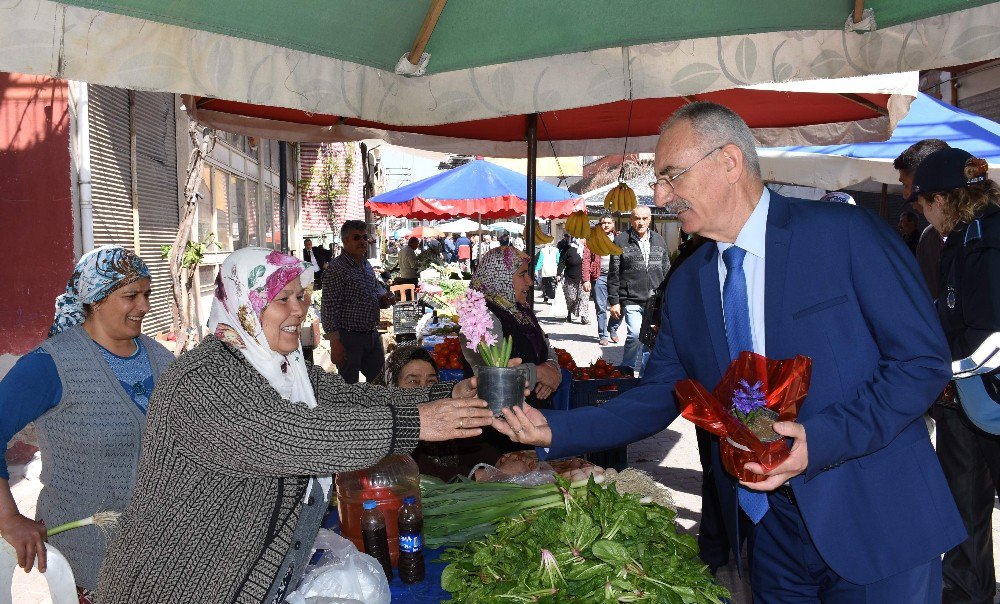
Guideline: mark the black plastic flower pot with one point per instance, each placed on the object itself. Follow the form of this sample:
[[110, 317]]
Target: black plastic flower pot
[[501, 387]]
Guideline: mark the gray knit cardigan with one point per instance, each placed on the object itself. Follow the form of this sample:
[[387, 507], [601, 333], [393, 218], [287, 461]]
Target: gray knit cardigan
[[225, 464], [90, 445]]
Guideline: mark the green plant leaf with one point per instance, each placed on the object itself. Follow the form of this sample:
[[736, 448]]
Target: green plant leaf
[[612, 552]]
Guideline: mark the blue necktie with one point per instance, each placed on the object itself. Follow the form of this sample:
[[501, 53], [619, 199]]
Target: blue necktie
[[737, 313]]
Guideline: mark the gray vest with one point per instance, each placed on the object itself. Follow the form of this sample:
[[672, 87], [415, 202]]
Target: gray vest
[[90, 444]]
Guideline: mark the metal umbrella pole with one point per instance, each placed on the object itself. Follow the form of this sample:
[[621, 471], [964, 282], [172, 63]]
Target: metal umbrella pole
[[529, 239]]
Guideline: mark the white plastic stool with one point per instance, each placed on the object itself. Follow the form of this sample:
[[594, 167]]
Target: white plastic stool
[[58, 574]]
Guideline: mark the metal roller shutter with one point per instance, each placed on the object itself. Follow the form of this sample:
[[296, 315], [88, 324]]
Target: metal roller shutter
[[155, 165], [111, 166], [156, 161]]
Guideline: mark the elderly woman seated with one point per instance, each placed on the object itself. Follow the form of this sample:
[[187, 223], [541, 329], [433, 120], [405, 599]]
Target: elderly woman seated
[[410, 366], [241, 442]]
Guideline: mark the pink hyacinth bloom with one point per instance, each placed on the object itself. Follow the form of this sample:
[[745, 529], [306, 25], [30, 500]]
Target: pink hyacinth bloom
[[474, 319]]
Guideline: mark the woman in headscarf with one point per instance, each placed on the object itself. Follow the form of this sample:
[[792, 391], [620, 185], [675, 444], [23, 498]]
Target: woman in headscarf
[[963, 204], [241, 442], [571, 269], [504, 278], [86, 388], [410, 366]]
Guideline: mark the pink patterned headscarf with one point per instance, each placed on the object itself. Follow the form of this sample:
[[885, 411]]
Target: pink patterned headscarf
[[248, 280]]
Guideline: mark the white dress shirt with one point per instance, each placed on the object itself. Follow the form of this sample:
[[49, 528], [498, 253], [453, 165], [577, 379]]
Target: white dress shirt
[[752, 238]]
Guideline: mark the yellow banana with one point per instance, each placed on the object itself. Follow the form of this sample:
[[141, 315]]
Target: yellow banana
[[630, 200], [540, 236], [599, 243], [609, 199], [596, 244], [621, 198], [577, 225]]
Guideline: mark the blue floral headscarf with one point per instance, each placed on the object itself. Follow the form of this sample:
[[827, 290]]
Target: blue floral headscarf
[[97, 274]]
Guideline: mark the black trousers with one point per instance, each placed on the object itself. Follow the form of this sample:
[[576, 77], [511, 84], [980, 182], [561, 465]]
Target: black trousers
[[971, 462], [713, 542]]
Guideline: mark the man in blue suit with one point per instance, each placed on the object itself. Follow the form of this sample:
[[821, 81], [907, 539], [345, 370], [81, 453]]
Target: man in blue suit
[[860, 511]]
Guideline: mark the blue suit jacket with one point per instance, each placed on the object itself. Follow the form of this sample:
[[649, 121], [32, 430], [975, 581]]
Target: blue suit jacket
[[842, 289]]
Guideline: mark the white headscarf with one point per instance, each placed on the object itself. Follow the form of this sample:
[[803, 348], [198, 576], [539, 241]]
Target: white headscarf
[[248, 280]]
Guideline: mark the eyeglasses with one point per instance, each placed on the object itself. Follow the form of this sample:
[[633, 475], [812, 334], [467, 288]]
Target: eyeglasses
[[668, 181]]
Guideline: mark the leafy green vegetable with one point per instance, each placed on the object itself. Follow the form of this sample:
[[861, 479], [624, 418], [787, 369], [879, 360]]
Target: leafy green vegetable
[[596, 545]]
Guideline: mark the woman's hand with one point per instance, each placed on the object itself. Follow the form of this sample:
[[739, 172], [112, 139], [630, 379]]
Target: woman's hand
[[449, 418], [468, 387], [549, 377], [524, 424], [28, 539]]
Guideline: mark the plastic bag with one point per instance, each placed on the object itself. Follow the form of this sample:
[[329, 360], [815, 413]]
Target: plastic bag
[[542, 474], [343, 575]]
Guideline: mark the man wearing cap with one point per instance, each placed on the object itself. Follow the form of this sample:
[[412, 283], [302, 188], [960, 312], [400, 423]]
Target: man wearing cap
[[958, 199], [860, 511], [931, 240]]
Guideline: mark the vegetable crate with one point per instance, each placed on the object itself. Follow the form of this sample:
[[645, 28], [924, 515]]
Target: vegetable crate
[[405, 316], [594, 393], [451, 375]]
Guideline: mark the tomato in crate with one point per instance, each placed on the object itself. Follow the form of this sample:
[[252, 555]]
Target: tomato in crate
[[590, 390]]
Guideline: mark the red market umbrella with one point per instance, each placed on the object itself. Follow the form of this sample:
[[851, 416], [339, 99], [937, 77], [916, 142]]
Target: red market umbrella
[[478, 188]]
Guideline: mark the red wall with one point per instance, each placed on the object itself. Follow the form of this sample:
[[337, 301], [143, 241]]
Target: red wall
[[36, 214]]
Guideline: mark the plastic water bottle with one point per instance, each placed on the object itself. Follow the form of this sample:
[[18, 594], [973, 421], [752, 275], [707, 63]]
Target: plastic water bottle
[[410, 521], [374, 537], [387, 483]]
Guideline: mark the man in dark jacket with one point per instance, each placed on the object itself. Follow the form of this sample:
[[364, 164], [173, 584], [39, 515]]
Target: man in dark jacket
[[634, 275]]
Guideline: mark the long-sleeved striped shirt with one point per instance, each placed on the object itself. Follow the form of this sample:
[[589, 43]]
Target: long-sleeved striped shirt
[[350, 296]]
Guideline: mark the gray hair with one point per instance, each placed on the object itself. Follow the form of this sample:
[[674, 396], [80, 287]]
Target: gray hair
[[716, 126], [352, 225]]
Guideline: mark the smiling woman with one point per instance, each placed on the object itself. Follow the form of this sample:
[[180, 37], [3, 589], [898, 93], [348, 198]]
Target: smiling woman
[[242, 440], [86, 389]]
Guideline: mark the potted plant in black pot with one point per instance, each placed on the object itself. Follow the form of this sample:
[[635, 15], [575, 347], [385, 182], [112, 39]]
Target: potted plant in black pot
[[499, 385]]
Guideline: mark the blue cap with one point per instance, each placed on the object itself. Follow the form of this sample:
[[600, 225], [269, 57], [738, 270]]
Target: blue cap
[[370, 504], [944, 170], [409, 499]]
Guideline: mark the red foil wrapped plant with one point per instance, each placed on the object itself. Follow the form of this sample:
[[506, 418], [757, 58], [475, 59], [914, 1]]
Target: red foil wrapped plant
[[754, 393]]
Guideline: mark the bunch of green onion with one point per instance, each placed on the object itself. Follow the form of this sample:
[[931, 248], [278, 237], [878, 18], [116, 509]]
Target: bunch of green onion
[[460, 512], [101, 520]]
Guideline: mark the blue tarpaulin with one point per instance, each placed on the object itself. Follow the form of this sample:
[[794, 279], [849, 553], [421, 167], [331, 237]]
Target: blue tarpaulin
[[840, 166]]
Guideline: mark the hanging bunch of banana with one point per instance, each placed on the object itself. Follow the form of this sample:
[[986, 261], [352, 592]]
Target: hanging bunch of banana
[[540, 237], [578, 224], [600, 244], [620, 198]]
